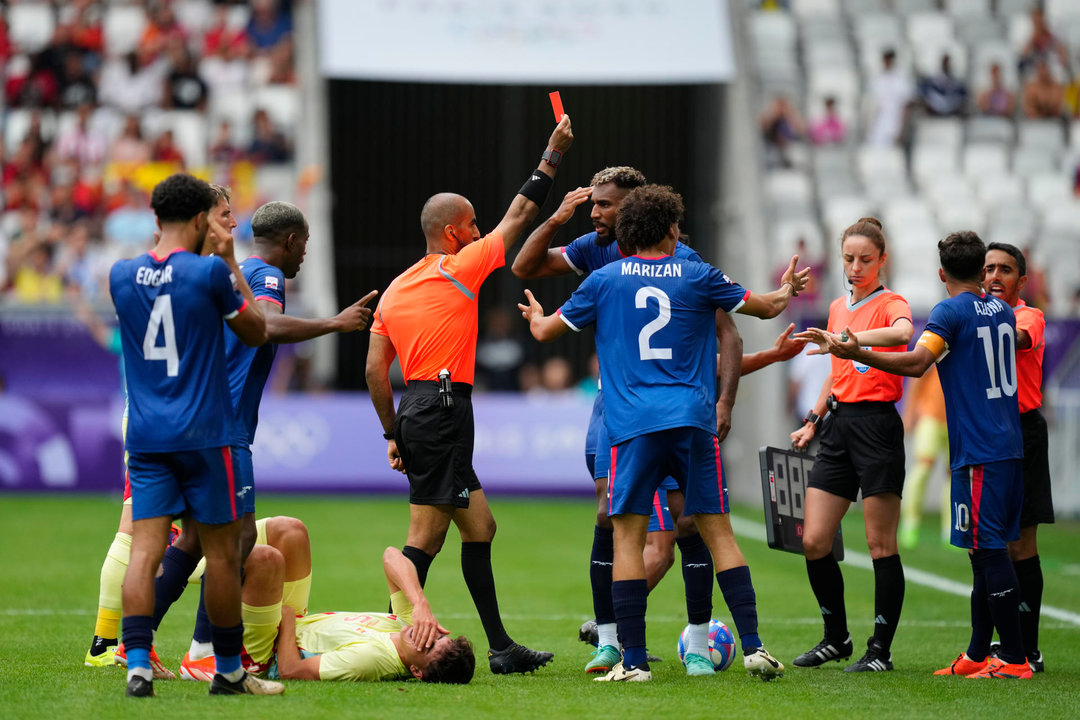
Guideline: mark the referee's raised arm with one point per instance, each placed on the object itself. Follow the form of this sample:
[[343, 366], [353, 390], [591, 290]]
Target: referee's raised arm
[[526, 204]]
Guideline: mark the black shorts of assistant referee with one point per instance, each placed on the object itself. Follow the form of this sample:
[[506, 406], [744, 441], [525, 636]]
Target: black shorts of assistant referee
[[436, 444], [862, 448], [1038, 507]]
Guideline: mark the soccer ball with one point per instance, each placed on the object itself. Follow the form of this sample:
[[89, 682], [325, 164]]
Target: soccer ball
[[721, 644]]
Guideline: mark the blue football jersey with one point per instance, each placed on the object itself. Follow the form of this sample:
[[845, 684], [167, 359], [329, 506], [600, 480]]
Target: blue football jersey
[[249, 367], [170, 311], [586, 255], [978, 377], [656, 340]]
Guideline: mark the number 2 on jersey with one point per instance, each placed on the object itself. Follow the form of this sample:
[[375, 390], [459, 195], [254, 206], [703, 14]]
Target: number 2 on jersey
[[641, 300], [1006, 360], [161, 318]]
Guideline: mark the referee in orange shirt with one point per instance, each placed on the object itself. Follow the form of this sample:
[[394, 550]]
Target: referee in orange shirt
[[428, 318]]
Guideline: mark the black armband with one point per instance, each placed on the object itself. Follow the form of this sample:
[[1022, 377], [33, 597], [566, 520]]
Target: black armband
[[536, 188]]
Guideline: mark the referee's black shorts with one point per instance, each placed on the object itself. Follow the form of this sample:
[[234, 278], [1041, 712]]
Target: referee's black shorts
[[862, 448], [1038, 506], [436, 444]]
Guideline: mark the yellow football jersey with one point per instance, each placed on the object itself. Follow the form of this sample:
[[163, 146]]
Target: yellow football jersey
[[356, 646]]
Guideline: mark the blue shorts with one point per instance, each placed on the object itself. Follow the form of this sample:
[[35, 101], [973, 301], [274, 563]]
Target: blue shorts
[[660, 519], [986, 502], [689, 455], [596, 424], [245, 478], [199, 482]]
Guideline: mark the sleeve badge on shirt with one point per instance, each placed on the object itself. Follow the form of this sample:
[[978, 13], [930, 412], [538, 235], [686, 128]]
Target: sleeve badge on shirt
[[271, 282], [232, 279]]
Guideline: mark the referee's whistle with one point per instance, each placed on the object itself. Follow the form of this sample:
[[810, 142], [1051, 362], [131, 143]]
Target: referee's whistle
[[446, 391]]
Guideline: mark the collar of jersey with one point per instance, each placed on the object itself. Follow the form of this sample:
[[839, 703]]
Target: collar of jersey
[[171, 252], [868, 298]]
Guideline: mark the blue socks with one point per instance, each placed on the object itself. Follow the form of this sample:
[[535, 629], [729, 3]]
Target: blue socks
[[630, 598], [600, 564], [138, 639], [741, 600], [228, 643]]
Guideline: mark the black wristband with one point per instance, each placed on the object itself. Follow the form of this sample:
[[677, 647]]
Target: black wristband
[[388, 435], [536, 188]]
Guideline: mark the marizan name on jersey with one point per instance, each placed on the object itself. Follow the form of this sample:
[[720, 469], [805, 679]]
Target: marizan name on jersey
[[636, 268]]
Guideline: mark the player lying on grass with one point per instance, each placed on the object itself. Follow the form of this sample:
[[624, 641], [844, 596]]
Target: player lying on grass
[[366, 646]]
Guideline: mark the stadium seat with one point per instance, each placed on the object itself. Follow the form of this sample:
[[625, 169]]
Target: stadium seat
[[968, 9], [932, 26], [982, 158], [281, 102], [1019, 31], [990, 129], [961, 216], [1063, 219], [772, 30], [31, 25], [855, 8], [1059, 12], [932, 161], [879, 163], [816, 9], [1044, 134], [1046, 190], [921, 289], [927, 55], [194, 16], [992, 190], [1007, 8], [840, 211], [910, 7], [17, 124], [910, 215], [941, 133], [977, 31], [123, 25], [1029, 161], [787, 233]]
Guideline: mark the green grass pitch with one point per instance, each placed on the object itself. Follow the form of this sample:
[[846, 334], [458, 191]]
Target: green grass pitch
[[53, 547]]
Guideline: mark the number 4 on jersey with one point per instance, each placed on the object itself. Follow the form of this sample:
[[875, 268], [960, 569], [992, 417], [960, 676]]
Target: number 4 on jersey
[[161, 317]]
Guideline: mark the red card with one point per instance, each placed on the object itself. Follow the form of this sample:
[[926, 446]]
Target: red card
[[556, 105]]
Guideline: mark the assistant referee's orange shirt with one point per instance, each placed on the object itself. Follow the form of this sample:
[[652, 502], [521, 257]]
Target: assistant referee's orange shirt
[[1029, 362], [853, 381], [429, 312]]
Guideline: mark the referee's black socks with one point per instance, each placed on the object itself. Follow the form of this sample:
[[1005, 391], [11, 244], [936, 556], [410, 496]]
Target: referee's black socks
[[476, 568], [827, 582], [888, 598], [1029, 575], [420, 559]]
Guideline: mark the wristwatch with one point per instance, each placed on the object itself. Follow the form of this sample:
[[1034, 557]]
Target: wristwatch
[[388, 435], [552, 157], [813, 418]]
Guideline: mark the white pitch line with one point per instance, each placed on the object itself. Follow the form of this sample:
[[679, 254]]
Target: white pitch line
[[756, 531]]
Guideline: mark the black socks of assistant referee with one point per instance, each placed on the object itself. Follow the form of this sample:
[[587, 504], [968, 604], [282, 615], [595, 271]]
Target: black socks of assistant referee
[[1029, 575], [476, 569], [888, 598], [827, 582]]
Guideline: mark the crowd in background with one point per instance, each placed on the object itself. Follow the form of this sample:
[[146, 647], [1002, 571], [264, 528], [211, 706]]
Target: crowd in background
[[118, 96]]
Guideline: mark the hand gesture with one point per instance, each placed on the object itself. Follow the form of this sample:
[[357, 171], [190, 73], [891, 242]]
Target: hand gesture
[[562, 137], [426, 629], [219, 238], [844, 345], [787, 347], [357, 316], [817, 336], [569, 204], [723, 421], [798, 279], [394, 457], [533, 309], [802, 437]]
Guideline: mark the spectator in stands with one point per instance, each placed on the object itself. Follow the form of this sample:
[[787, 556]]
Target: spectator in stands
[[270, 24], [944, 94], [184, 89], [268, 145], [780, 125], [499, 353], [1036, 291], [557, 375], [223, 148], [1043, 45], [132, 225], [31, 83], [829, 129], [1044, 97], [76, 83], [890, 96], [87, 33], [162, 30], [132, 84], [63, 210], [282, 64], [997, 99], [82, 142], [34, 279], [220, 36], [130, 147], [82, 264], [165, 150]]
